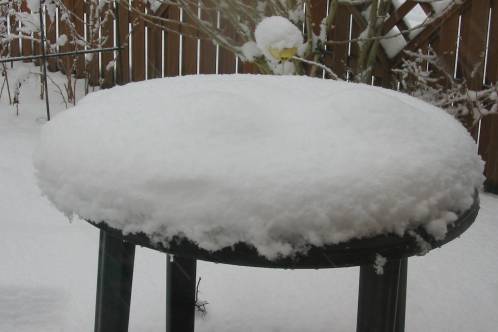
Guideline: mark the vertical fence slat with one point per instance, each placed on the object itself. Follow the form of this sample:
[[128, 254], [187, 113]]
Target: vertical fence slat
[[107, 68], [27, 49], [66, 62], [473, 42], [355, 51], [36, 44], [14, 44], [226, 59], [340, 32], [124, 56], [92, 63], [445, 44], [318, 11], [79, 11], [488, 139], [172, 45], [189, 47], [154, 53], [474, 30], [138, 45], [51, 38], [492, 65], [207, 61]]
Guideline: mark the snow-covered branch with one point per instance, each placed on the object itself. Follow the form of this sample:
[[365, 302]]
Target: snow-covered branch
[[424, 75]]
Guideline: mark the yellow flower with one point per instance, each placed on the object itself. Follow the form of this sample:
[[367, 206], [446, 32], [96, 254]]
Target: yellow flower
[[283, 54]]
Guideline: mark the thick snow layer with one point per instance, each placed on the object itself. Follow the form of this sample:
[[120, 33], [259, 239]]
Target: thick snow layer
[[277, 162]]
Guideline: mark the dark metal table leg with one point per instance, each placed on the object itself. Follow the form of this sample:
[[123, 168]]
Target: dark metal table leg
[[114, 282], [382, 298], [180, 294]]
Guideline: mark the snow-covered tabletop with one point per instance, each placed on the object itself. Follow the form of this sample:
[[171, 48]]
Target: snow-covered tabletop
[[279, 163]]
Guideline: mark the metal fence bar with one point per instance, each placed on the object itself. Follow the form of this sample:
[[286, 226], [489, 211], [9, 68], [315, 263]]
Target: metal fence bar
[[54, 55], [44, 58]]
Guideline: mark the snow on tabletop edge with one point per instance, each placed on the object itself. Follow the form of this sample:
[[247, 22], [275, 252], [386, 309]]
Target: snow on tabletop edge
[[276, 162]]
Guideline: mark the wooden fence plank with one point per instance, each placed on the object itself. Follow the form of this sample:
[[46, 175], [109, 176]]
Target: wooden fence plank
[[15, 49], [65, 63], [445, 44], [27, 48], [79, 11], [473, 42], [189, 48], [340, 32], [473, 36], [124, 55], [318, 11], [92, 60], [107, 58], [138, 44], [226, 59], [172, 45], [154, 50], [492, 65], [488, 139], [51, 39], [207, 52]]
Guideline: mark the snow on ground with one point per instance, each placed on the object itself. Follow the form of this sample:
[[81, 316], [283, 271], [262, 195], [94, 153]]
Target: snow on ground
[[48, 269]]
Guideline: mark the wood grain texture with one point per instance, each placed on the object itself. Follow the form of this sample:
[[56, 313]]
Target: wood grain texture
[[226, 59], [79, 11], [27, 48], [207, 52], [124, 56], [138, 44], [172, 45], [488, 139], [154, 50], [189, 48]]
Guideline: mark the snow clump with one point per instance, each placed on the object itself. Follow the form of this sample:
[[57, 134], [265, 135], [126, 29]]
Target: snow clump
[[279, 40]]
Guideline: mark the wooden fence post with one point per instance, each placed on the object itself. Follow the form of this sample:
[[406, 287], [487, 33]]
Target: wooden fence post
[[488, 141], [172, 45], [138, 44], [107, 62]]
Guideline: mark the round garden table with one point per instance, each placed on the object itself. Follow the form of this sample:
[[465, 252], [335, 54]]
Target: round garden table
[[265, 172]]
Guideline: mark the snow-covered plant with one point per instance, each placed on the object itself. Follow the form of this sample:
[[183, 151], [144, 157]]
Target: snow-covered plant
[[90, 36], [285, 25], [268, 33], [4, 32], [424, 75], [22, 76], [99, 13], [370, 39]]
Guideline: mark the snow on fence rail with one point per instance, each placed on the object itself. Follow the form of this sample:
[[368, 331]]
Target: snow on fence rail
[[464, 33]]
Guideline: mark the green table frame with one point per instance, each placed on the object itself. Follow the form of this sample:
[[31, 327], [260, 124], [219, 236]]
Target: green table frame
[[381, 299]]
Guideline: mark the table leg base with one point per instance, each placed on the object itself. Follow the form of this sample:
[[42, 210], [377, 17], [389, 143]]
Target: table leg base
[[382, 298], [180, 294], [114, 282]]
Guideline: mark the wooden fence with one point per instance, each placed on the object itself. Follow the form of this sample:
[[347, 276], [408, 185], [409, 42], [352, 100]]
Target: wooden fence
[[465, 35]]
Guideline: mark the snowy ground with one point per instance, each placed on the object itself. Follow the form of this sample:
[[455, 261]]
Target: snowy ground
[[48, 267]]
